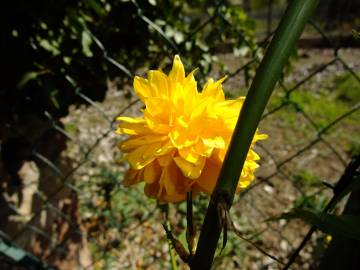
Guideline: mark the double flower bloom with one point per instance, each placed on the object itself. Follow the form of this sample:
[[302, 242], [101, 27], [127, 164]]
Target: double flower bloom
[[180, 143]]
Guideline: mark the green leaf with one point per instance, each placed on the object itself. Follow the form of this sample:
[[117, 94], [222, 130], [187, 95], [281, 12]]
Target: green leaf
[[28, 76], [53, 98], [345, 225], [356, 34], [96, 6], [152, 2], [86, 42], [182, 239], [49, 45]]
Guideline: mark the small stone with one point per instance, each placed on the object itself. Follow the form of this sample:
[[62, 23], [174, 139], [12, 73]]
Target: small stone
[[269, 189], [284, 245]]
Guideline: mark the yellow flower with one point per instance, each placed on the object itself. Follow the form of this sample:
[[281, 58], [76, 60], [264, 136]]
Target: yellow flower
[[180, 142]]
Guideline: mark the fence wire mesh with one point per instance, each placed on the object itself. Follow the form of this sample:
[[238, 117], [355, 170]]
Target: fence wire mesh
[[86, 218]]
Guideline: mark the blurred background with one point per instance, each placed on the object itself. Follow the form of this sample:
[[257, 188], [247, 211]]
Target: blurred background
[[67, 71]]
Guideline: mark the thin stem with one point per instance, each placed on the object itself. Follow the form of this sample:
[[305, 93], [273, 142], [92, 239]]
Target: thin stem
[[190, 226], [267, 75], [171, 249]]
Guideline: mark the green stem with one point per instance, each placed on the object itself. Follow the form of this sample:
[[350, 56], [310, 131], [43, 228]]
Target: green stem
[[171, 250], [268, 73]]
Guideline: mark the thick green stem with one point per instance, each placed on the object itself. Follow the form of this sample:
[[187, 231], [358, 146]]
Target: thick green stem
[[268, 73]]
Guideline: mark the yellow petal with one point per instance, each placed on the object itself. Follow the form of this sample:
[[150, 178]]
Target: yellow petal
[[182, 122], [165, 149], [177, 73], [177, 98], [169, 179], [165, 160], [152, 189], [190, 81], [173, 198], [131, 120], [252, 155], [200, 109], [189, 155], [156, 106], [141, 141], [214, 142], [142, 88], [132, 126], [214, 89], [152, 172], [181, 140], [131, 177], [203, 149], [174, 183], [156, 124], [246, 177], [250, 165], [142, 156], [229, 111], [220, 155], [207, 180], [260, 137], [158, 83], [188, 169], [132, 129]]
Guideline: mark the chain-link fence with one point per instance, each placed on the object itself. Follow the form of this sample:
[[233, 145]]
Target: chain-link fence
[[72, 210]]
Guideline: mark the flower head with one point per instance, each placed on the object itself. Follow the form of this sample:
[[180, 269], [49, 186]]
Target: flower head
[[180, 143]]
